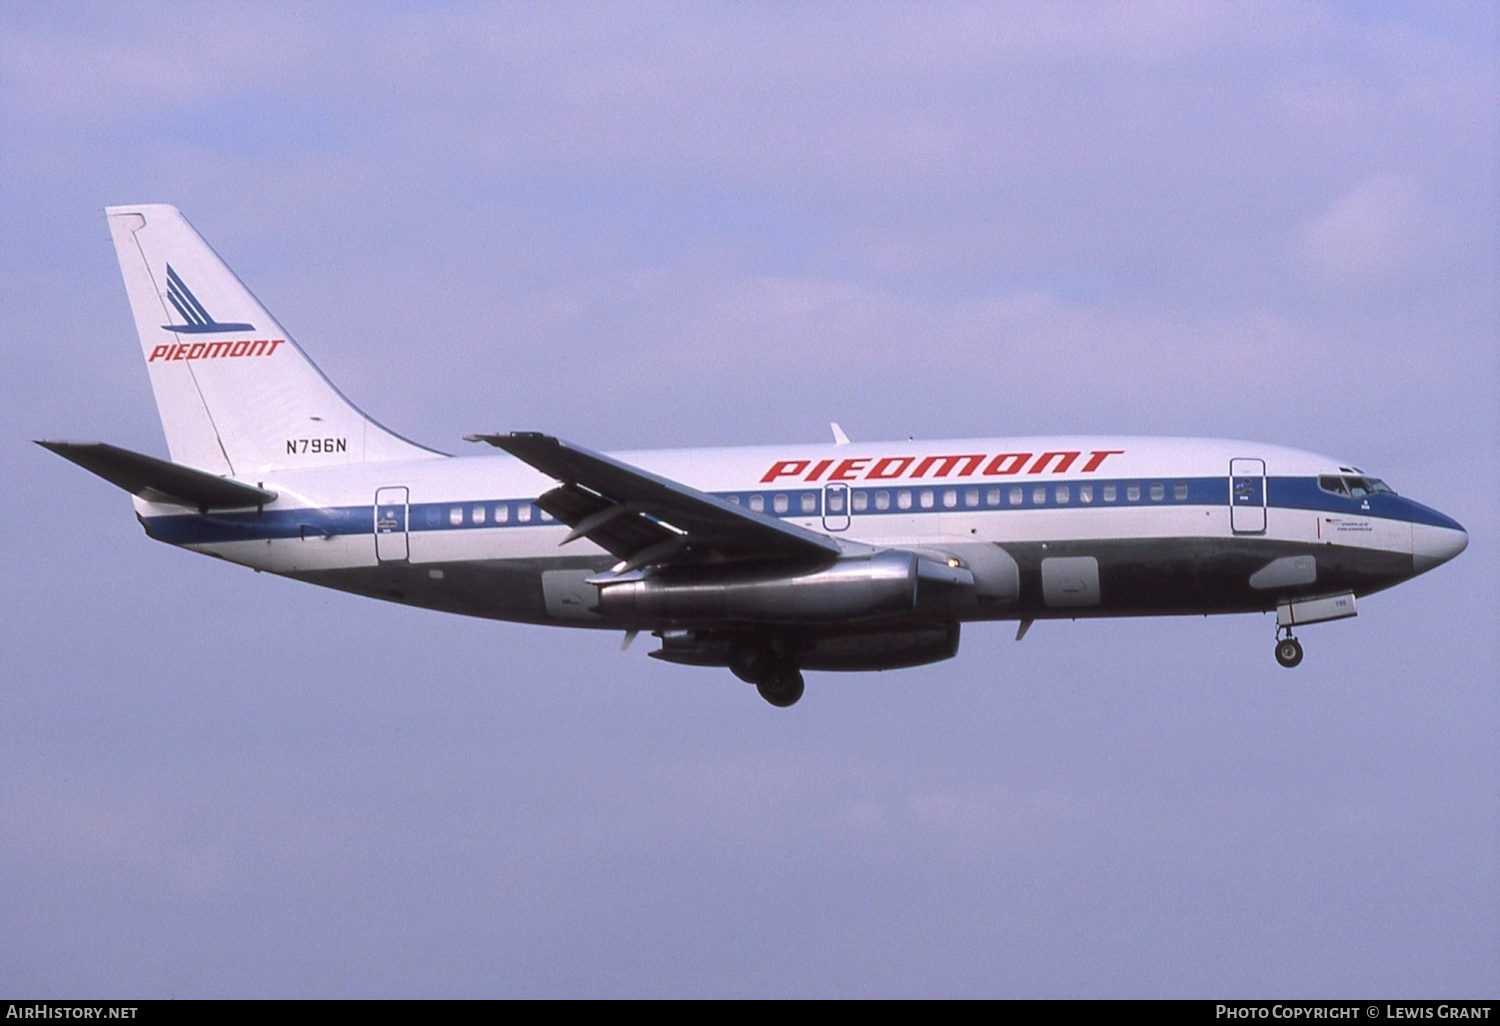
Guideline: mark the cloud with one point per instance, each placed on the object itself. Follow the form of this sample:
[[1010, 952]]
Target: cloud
[[1379, 227]]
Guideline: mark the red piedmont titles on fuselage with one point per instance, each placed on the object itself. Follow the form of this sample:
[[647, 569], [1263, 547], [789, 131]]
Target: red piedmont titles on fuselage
[[963, 465]]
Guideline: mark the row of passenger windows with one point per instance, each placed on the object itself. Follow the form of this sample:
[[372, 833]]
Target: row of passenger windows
[[480, 514], [880, 500], [863, 500]]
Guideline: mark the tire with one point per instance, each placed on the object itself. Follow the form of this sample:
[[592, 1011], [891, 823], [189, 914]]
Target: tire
[[782, 687], [1289, 652]]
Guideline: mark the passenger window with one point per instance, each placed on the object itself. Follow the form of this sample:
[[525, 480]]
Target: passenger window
[[992, 497], [502, 513], [1061, 494], [925, 497], [735, 499], [971, 497], [835, 502], [758, 503], [478, 514], [780, 503], [455, 515], [1085, 493], [1015, 496], [523, 513], [1158, 492], [950, 498], [1180, 491], [810, 502], [903, 499], [1039, 495], [1133, 493], [861, 501], [1109, 493], [882, 500]]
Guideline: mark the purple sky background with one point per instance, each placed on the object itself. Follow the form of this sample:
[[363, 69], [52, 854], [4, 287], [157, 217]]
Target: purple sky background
[[675, 225]]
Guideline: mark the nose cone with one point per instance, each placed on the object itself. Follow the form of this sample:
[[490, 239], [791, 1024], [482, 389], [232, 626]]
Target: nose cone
[[1432, 545]]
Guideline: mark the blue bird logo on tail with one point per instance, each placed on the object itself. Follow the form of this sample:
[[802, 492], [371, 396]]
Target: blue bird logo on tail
[[193, 312]]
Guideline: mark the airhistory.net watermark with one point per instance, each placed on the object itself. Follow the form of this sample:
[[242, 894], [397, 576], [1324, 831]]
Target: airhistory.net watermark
[[44, 1010]]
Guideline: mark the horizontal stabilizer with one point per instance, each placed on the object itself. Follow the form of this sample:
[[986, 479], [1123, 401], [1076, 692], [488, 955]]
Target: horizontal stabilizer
[[157, 480]]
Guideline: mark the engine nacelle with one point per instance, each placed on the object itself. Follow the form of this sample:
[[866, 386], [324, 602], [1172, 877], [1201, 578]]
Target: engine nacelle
[[890, 649], [881, 650], [851, 589]]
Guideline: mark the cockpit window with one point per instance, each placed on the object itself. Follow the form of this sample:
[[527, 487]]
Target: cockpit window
[[1359, 487], [1354, 487]]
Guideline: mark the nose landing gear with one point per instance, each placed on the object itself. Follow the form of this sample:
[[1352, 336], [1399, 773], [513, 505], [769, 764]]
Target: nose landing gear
[[1288, 648]]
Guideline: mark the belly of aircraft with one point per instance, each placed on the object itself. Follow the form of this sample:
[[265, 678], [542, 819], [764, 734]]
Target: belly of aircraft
[[1162, 576]]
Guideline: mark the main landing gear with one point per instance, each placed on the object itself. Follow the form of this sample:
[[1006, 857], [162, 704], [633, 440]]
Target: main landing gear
[[1288, 648], [781, 687], [774, 675]]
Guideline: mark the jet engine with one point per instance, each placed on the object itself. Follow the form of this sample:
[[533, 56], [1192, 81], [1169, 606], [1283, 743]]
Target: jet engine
[[891, 583], [889, 649]]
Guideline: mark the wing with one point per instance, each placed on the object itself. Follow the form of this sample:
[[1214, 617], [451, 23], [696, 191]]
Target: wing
[[645, 519]]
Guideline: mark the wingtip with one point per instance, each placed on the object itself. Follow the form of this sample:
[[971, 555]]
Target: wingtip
[[62, 446]]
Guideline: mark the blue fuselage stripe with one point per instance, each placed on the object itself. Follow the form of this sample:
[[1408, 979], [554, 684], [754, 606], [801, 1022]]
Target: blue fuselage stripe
[[862, 500]]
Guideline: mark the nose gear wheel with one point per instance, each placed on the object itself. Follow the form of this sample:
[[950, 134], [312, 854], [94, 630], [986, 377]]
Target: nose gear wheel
[[1288, 649]]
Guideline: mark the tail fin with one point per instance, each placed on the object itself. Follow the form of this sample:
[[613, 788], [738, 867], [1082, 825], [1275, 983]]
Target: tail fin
[[236, 395]]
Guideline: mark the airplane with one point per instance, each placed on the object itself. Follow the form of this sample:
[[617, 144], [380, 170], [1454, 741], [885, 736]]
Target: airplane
[[772, 560]]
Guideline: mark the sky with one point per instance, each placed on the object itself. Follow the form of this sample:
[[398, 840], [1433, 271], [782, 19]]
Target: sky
[[662, 225]]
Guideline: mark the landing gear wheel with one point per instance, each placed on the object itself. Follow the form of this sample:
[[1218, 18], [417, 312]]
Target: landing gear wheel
[[781, 687], [1288, 652], [751, 663]]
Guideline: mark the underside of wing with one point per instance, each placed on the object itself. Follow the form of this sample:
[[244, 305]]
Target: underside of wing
[[644, 519]]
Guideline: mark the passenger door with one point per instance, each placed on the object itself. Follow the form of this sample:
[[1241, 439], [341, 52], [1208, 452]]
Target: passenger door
[[391, 509], [1247, 496]]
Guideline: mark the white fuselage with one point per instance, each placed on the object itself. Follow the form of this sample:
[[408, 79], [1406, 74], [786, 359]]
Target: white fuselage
[[1155, 516]]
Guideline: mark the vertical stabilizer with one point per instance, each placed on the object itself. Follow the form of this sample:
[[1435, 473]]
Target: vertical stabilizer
[[236, 395]]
